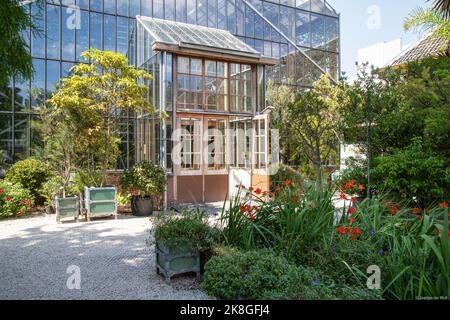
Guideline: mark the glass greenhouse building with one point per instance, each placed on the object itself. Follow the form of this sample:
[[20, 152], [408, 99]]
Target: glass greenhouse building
[[296, 40]]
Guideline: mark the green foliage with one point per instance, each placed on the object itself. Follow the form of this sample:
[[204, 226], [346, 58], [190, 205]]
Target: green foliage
[[313, 121], [307, 231], [14, 50], [190, 228], [123, 199], [290, 221], [429, 19], [86, 178], [413, 172], [144, 179], [402, 106], [30, 173], [51, 188], [259, 275], [82, 122], [14, 199], [287, 173]]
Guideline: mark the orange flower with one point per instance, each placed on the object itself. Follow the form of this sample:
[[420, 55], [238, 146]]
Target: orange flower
[[361, 187], [287, 183]]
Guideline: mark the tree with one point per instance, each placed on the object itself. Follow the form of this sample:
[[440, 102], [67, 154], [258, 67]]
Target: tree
[[279, 97], [16, 60], [314, 121], [434, 19], [84, 111], [443, 6], [385, 113]]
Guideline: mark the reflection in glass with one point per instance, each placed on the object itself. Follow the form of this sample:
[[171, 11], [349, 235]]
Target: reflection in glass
[[169, 8], [21, 136], [180, 10], [109, 6], [109, 33], [122, 7], [158, 9], [6, 136], [122, 35], [82, 35], [52, 77], [38, 84], [38, 40], [53, 29], [96, 30], [68, 34]]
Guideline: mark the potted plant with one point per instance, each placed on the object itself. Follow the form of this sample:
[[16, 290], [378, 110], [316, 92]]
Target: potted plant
[[123, 203], [180, 241], [146, 182], [49, 191]]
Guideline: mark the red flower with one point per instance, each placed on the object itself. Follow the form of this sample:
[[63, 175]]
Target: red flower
[[420, 218], [277, 188], [287, 183], [251, 216], [249, 208], [416, 211], [1, 191], [24, 200], [355, 200], [256, 208], [243, 208], [443, 205], [8, 199], [351, 210], [352, 220], [357, 231], [30, 203], [258, 191], [343, 197], [340, 230], [270, 183]]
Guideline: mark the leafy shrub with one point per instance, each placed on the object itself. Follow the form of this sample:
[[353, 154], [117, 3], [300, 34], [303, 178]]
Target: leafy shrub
[[123, 199], [14, 199], [31, 174], [287, 173], [289, 221], [85, 178], [51, 188], [413, 172], [144, 179], [189, 228], [260, 275]]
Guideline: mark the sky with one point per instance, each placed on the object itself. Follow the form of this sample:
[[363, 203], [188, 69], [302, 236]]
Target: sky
[[367, 22]]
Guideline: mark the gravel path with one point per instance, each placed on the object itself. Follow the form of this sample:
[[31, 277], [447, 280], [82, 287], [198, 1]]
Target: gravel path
[[114, 261]]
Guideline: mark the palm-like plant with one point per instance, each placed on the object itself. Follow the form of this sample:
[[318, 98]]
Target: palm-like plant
[[428, 19], [443, 6]]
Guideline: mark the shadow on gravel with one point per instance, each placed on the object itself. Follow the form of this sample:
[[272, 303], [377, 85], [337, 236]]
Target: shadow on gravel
[[113, 257]]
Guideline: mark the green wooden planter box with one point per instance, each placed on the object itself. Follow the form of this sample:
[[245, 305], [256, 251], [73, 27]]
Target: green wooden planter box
[[99, 202], [67, 208], [174, 262]]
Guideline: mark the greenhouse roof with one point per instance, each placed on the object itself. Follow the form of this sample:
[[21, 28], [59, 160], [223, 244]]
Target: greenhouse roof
[[177, 36]]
